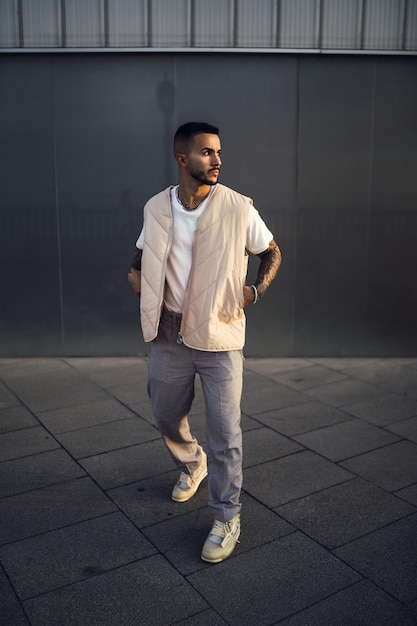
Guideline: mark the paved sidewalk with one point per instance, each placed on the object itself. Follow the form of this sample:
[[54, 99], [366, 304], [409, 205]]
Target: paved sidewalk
[[89, 535]]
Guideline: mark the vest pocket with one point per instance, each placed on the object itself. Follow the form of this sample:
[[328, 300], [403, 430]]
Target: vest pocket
[[229, 297]]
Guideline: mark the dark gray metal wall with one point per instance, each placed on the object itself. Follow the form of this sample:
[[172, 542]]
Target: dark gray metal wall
[[326, 146]]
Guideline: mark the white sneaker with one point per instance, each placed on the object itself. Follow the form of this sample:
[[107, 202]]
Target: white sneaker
[[222, 540], [187, 485]]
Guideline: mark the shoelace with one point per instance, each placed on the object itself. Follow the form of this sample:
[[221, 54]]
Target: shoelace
[[223, 530], [184, 481]]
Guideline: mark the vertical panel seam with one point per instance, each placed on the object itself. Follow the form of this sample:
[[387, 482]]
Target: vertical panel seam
[[57, 211], [20, 23], [369, 198], [295, 218]]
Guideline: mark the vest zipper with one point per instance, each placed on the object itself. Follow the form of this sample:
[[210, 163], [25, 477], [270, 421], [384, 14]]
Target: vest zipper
[[180, 338], [165, 263]]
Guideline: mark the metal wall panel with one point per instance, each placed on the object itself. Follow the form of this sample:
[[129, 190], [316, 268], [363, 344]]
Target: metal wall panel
[[334, 160], [213, 23], [128, 23], [171, 23], [383, 24], [392, 284], [340, 24], [298, 24], [41, 23], [9, 29], [84, 21], [256, 23], [30, 307]]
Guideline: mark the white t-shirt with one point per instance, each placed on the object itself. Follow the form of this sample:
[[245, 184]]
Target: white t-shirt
[[258, 237]]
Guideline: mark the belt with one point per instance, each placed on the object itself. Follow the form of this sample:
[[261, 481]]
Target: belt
[[171, 315]]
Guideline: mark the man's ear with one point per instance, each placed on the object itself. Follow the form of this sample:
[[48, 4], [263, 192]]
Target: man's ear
[[181, 159]]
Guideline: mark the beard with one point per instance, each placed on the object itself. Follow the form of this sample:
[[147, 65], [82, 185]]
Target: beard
[[202, 177]]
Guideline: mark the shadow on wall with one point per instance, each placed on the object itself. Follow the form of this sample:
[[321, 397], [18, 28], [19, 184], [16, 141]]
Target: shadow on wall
[[165, 93]]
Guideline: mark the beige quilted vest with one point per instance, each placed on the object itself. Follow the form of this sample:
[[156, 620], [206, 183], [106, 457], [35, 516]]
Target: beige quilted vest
[[213, 317]]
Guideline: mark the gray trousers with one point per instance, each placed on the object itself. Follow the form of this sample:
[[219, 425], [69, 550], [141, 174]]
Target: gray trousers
[[172, 370]]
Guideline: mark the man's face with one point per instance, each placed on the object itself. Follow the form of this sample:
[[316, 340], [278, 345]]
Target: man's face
[[203, 158]]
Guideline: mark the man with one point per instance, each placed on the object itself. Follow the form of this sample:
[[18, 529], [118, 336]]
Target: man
[[190, 268]]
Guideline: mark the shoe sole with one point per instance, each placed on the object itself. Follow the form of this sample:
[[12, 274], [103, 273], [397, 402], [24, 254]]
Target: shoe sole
[[187, 496]]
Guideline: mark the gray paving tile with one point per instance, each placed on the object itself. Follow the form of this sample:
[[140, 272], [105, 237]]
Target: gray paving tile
[[252, 381], [136, 398], [407, 429], [406, 362], [16, 368], [53, 377], [83, 415], [128, 465], [269, 367], [37, 470], [409, 494], [49, 508], [388, 375], [262, 395], [272, 582], [181, 538], [58, 396], [135, 373], [388, 558], [341, 441], [7, 361], [71, 554], [385, 409], [15, 418], [110, 371], [57, 389], [344, 392], [362, 603], [282, 480], [130, 595], [344, 512], [10, 609], [103, 364], [264, 444], [148, 501], [7, 398], [105, 437], [18, 443], [392, 467], [294, 420], [308, 377], [342, 363]]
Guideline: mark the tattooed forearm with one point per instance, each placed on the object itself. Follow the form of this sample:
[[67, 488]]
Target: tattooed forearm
[[137, 260], [268, 267]]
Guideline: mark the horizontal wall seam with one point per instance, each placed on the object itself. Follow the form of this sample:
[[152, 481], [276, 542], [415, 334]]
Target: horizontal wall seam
[[198, 50]]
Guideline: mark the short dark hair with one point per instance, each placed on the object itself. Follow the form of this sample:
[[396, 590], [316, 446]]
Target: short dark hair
[[186, 132]]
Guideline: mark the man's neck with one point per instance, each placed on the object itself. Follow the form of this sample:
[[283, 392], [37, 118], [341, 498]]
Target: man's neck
[[191, 196]]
